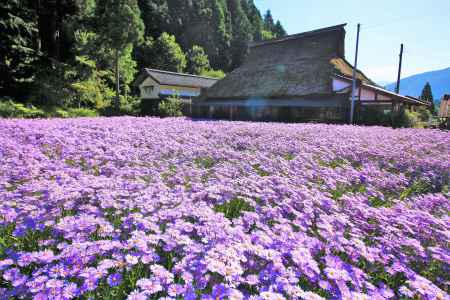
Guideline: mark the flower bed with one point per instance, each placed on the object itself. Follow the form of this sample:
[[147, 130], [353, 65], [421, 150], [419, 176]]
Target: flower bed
[[144, 208]]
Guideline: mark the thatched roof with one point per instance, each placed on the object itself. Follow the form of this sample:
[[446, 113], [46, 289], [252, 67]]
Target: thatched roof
[[296, 65], [176, 79]]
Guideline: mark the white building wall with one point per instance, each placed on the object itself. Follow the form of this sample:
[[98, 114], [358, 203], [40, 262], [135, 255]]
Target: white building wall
[[166, 90], [147, 83], [339, 84]]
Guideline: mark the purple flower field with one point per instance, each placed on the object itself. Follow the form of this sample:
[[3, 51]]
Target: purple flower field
[[143, 208]]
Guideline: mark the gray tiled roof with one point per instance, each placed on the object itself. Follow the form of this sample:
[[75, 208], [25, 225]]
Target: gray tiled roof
[[180, 79]]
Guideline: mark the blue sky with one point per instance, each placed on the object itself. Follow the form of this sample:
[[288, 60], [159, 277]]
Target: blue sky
[[423, 26]]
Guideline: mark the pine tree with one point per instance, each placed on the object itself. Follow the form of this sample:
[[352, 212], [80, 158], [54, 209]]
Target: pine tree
[[197, 61], [154, 15], [119, 25], [241, 33], [18, 47], [254, 16], [279, 30], [269, 24], [427, 95]]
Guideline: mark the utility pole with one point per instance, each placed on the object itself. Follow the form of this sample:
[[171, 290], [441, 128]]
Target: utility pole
[[355, 66], [397, 87], [394, 109]]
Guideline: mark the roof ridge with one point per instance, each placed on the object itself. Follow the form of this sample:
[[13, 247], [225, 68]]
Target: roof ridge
[[179, 74], [298, 35]]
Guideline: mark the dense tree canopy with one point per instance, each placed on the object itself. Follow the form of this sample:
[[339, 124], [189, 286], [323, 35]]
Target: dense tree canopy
[[18, 49], [163, 53], [197, 61], [67, 51]]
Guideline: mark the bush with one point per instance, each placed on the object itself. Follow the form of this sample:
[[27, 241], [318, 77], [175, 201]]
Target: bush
[[373, 116], [414, 119], [10, 109], [129, 106], [81, 112], [171, 107], [219, 74]]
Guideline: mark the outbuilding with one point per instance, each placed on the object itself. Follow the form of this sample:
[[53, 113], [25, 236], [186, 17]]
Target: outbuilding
[[156, 85]]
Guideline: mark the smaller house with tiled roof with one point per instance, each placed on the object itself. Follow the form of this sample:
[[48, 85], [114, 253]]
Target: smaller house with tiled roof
[[158, 84], [301, 77]]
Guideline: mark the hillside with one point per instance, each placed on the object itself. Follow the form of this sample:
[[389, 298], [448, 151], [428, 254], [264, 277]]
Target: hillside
[[202, 37], [413, 85]]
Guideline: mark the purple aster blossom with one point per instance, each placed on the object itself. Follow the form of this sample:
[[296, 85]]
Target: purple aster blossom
[[131, 259], [5, 263], [70, 291], [136, 295], [90, 283], [326, 203], [189, 293], [175, 289], [150, 286], [20, 231], [220, 291], [114, 279], [40, 296]]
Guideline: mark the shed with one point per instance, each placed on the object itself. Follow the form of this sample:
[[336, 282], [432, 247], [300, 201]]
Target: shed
[[157, 84]]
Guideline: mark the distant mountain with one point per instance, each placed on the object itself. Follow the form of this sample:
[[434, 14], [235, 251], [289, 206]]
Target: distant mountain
[[383, 83], [413, 85]]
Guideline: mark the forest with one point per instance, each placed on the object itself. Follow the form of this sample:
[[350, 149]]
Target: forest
[[86, 53]]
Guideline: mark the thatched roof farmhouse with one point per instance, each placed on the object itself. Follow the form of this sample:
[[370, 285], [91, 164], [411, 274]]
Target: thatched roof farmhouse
[[301, 77]]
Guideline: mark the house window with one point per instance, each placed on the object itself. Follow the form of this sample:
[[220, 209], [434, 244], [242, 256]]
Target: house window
[[148, 89]]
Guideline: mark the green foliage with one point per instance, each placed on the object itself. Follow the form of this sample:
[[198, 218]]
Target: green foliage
[[267, 35], [119, 26], [52, 85], [81, 112], [197, 61], [10, 109], [163, 53], [254, 16], [269, 23], [427, 95], [72, 62], [154, 14], [130, 106], [373, 116], [272, 29], [91, 89], [279, 30], [118, 23], [414, 119], [424, 114], [214, 73], [205, 162], [242, 33], [170, 107], [234, 208], [18, 57]]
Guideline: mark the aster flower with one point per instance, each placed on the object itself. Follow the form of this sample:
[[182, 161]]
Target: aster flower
[[150, 286], [114, 279], [136, 295], [321, 205]]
